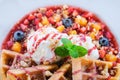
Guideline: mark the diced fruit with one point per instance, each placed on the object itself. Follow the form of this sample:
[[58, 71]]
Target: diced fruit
[[118, 60], [26, 22], [31, 17], [83, 30], [65, 14], [96, 26], [37, 21], [57, 17], [73, 32], [75, 13], [23, 27], [60, 28], [39, 15], [81, 21], [110, 57], [17, 47], [70, 9], [45, 21], [19, 35], [49, 13], [51, 20], [92, 35], [103, 41], [9, 43], [67, 22], [102, 53]]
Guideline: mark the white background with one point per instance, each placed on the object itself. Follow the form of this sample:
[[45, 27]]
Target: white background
[[12, 11]]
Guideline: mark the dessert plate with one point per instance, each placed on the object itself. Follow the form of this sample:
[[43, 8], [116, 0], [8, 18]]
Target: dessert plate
[[57, 41]]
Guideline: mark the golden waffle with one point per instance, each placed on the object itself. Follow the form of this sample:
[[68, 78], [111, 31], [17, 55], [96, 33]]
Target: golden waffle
[[87, 69], [31, 73], [9, 69], [59, 74], [6, 61]]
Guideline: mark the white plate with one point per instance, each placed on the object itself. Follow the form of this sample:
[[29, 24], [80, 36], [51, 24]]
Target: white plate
[[12, 11]]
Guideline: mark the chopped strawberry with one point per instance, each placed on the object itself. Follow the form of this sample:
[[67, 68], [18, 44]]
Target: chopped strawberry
[[114, 64], [26, 22], [51, 20], [75, 26], [58, 23], [118, 60], [70, 9], [88, 14], [83, 30], [31, 17], [37, 21], [109, 78], [39, 15], [49, 13], [75, 13], [9, 43], [23, 27], [102, 53]]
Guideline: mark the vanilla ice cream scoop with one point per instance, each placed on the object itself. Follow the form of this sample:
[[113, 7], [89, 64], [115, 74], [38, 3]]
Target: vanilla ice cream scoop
[[42, 43]]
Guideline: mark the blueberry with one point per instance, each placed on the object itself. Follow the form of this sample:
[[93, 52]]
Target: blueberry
[[19, 35], [103, 41], [67, 22]]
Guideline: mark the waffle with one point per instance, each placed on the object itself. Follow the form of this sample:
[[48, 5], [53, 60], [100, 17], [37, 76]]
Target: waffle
[[9, 69], [59, 74], [30, 73], [87, 69], [6, 61]]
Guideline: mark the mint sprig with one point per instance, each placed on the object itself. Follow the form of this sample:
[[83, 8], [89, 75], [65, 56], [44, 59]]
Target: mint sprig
[[69, 49]]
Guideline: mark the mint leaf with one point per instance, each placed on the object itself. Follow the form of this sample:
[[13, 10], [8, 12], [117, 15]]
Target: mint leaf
[[61, 51], [77, 51], [69, 49], [66, 42]]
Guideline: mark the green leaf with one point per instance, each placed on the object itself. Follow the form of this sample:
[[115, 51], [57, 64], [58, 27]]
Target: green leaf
[[78, 51], [68, 48], [61, 51], [66, 42]]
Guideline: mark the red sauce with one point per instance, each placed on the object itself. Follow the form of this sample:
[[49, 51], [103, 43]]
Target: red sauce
[[90, 50], [76, 72]]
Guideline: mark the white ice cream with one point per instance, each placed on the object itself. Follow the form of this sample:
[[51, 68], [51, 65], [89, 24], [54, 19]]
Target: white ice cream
[[41, 44]]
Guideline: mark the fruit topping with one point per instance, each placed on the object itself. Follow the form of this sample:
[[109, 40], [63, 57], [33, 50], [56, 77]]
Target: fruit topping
[[19, 35], [110, 57], [67, 22], [103, 41], [17, 47]]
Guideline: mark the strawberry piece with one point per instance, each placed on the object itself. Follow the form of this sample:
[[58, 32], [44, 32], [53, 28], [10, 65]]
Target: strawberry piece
[[70, 9], [118, 60], [39, 15], [49, 13], [23, 27], [102, 53], [9, 43], [83, 30], [51, 20], [26, 22], [37, 21], [31, 17], [75, 26]]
